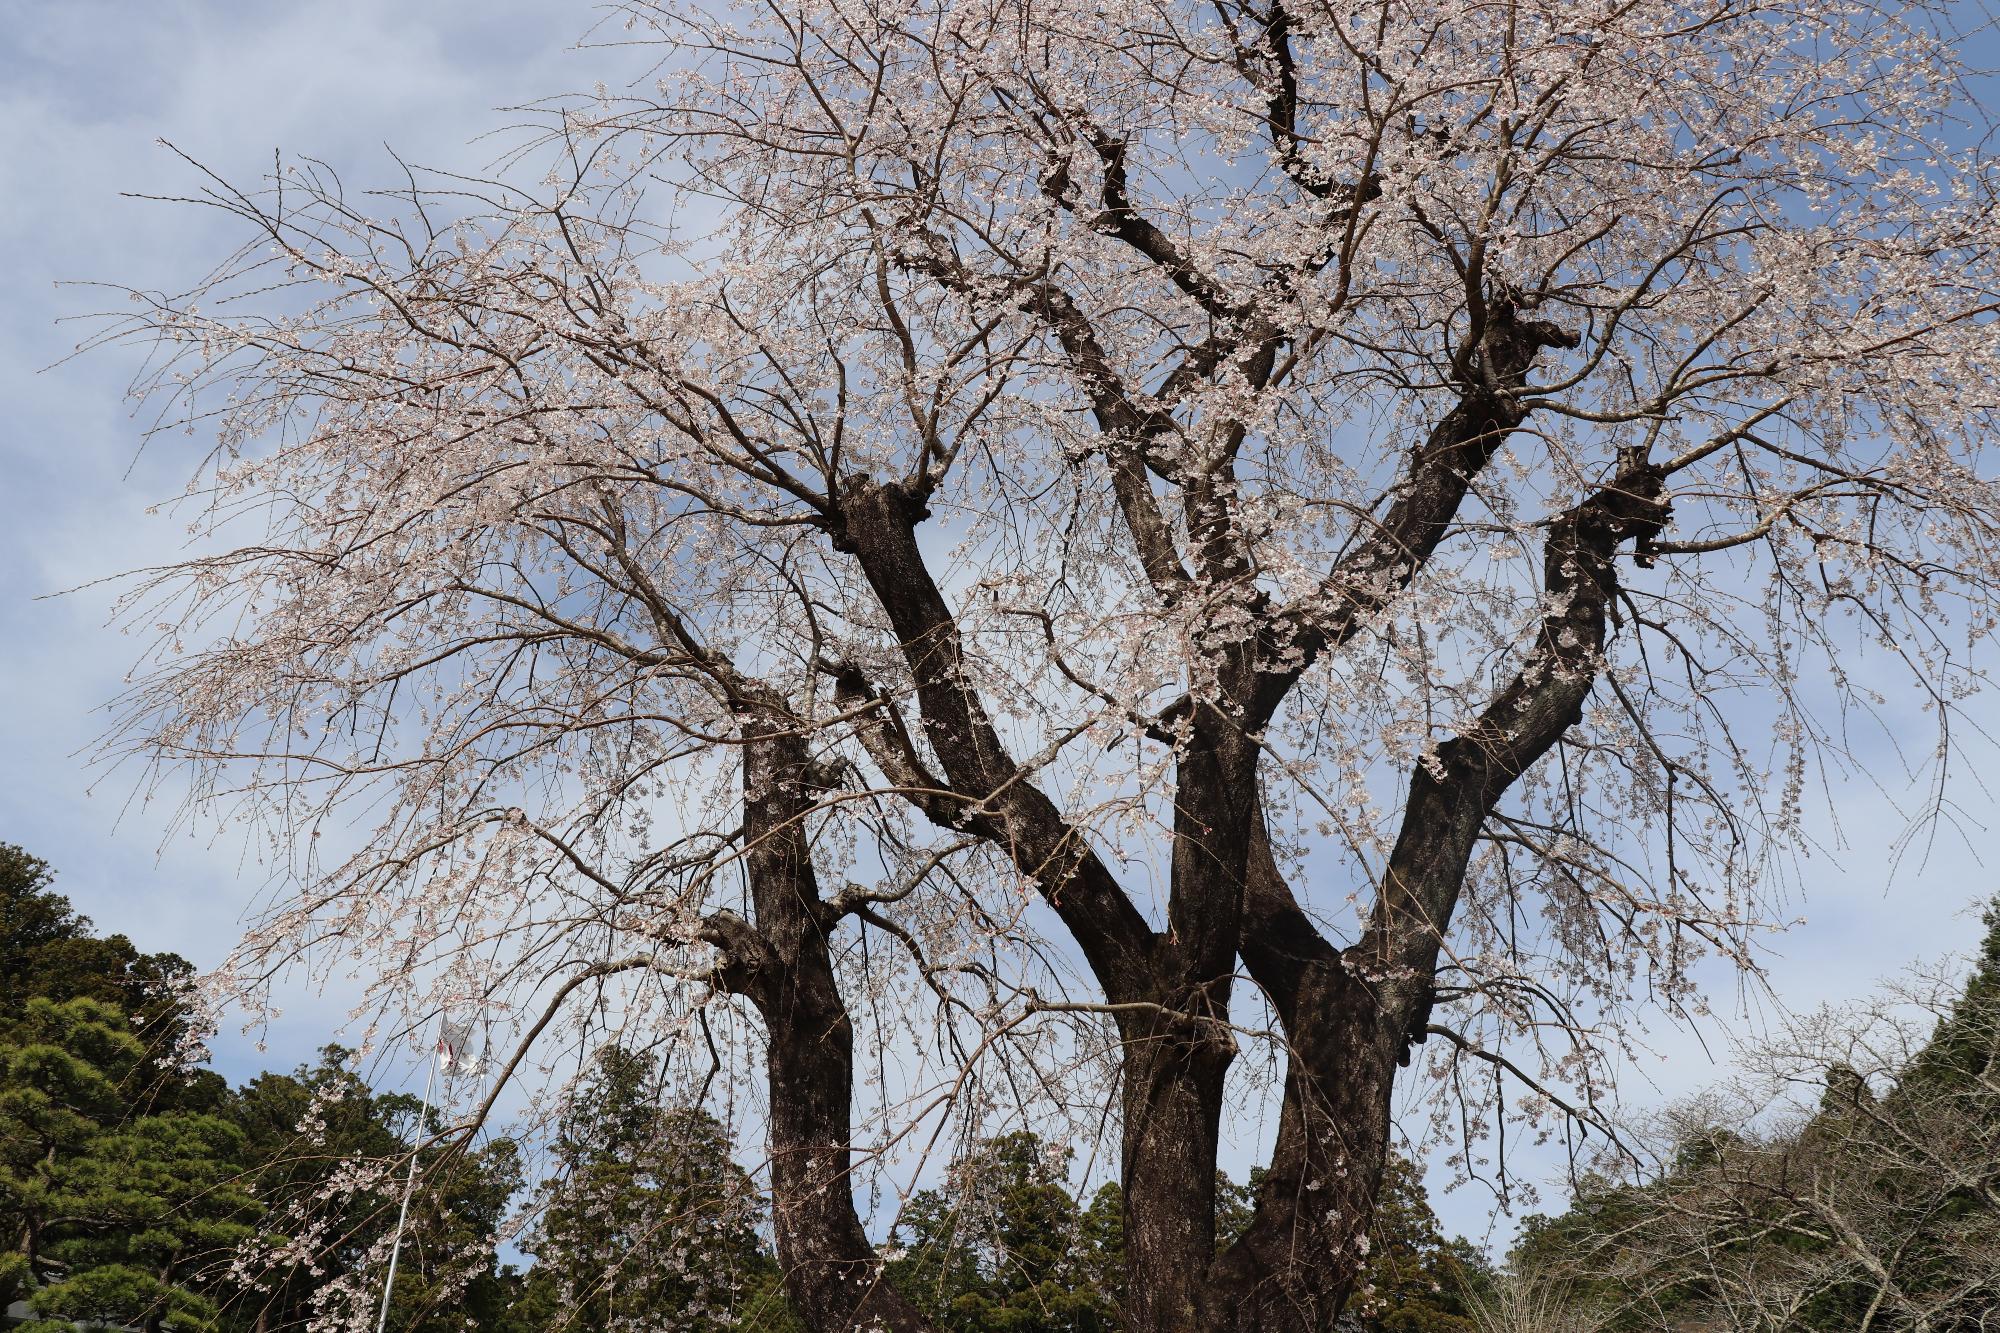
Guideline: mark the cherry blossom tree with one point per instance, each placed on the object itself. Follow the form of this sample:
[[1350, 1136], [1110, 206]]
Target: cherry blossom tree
[[1122, 565]]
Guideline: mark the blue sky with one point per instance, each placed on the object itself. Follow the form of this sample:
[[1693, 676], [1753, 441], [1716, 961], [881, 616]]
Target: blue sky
[[86, 89]]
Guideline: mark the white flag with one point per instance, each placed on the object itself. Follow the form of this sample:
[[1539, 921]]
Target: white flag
[[455, 1049]]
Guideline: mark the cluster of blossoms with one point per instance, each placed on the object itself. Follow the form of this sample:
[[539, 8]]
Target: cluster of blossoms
[[1144, 558]]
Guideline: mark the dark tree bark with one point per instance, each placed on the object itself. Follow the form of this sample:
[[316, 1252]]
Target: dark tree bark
[[1347, 1022], [1138, 286], [832, 1272]]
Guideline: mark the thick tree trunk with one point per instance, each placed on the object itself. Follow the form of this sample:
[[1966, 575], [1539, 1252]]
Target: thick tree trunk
[[1176, 1059], [1172, 1114], [1297, 1262], [1350, 1016], [832, 1273]]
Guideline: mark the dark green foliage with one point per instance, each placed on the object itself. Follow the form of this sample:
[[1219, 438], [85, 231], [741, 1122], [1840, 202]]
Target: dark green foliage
[[1600, 1211], [121, 1218], [449, 1273], [1417, 1280], [447, 1268], [293, 1169], [1002, 1247], [129, 1184], [1100, 1261], [47, 951], [1966, 1046], [1235, 1205], [60, 1067], [648, 1222], [1005, 1246]]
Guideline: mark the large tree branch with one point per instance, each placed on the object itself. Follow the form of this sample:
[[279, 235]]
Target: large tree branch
[[1453, 791], [999, 802], [1117, 216], [1350, 1016], [1426, 500]]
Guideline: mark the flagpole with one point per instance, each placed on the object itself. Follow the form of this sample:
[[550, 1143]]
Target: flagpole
[[409, 1188]]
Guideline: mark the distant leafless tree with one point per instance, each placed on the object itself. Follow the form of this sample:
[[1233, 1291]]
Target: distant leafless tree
[[1849, 1179]]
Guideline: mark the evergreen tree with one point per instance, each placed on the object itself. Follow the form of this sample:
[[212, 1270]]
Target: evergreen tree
[[1571, 1253], [127, 1185], [1416, 1279], [450, 1278], [1875, 1207], [59, 1072], [127, 1182], [120, 1218], [321, 1232], [47, 951], [1002, 1246], [1966, 1045], [648, 1223], [1100, 1255]]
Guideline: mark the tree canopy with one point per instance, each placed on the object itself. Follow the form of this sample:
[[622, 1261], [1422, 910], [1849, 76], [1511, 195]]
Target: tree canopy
[[49, 950], [1159, 563]]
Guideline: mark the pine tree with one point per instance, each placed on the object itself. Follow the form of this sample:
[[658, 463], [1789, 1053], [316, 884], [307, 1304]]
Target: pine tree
[[119, 1218], [48, 950], [59, 1071]]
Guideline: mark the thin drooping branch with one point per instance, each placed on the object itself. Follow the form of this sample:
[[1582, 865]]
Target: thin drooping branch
[[1208, 458]]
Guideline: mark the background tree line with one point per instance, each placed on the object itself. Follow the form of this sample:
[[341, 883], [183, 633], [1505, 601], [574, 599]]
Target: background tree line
[[137, 1192], [1848, 1178]]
